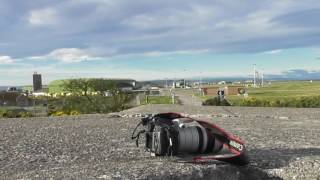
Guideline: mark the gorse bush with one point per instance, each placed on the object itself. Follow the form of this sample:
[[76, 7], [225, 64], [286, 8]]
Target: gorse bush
[[15, 113], [216, 101], [74, 113], [83, 106], [303, 102], [25, 114], [62, 112], [300, 102], [10, 114], [59, 113]]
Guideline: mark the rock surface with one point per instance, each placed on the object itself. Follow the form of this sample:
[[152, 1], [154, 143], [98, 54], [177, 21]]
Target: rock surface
[[283, 143]]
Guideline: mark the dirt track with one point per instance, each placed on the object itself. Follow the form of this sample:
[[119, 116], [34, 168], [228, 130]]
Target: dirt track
[[282, 143]]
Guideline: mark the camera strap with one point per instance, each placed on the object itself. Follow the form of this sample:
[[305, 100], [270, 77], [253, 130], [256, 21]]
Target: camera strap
[[240, 159], [169, 150], [233, 144], [137, 136]]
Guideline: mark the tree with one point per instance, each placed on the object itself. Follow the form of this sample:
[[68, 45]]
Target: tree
[[102, 86], [100, 102], [76, 86]]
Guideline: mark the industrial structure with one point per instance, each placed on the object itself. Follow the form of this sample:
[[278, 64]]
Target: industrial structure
[[179, 83], [258, 77], [37, 82]]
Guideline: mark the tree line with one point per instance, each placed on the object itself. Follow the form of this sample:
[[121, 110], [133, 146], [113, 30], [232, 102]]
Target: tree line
[[96, 95]]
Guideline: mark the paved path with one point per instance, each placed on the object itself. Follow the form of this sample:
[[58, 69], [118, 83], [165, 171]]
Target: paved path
[[187, 97]]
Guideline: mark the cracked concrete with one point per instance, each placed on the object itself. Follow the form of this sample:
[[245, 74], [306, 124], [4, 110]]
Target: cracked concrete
[[99, 146]]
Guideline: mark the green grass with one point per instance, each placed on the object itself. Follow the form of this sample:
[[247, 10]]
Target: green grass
[[158, 100], [286, 91]]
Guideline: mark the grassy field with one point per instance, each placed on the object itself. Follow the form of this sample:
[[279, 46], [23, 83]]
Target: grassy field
[[158, 100], [279, 91], [286, 89]]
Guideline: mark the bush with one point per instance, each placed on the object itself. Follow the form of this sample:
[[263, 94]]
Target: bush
[[304, 102], [83, 106], [211, 102], [51, 109], [2, 111], [15, 113], [10, 114], [59, 113], [75, 105], [25, 114], [216, 102], [74, 113]]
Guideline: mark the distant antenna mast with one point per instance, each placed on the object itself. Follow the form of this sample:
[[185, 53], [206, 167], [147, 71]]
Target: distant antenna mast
[[166, 82], [254, 75], [200, 80], [262, 78]]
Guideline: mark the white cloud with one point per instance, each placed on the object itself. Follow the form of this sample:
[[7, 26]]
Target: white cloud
[[143, 26], [41, 17], [276, 51], [160, 53], [6, 60], [67, 55], [74, 55]]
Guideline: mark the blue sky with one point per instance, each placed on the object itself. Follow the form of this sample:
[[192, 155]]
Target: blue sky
[[145, 39]]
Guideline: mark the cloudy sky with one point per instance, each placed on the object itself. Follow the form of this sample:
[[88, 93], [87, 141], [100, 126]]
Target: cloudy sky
[[144, 39]]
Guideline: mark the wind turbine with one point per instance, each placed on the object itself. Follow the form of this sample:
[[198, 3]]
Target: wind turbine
[[254, 75]]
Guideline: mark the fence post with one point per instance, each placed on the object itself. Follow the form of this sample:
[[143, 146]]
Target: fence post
[[138, 100], [173, 98]]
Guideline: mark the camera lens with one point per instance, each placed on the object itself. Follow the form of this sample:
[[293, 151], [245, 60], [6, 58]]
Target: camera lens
[[196, 139]]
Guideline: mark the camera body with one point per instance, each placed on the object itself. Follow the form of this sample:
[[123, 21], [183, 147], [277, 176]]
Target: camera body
[[180, 135], [168, 134], [161, 138]]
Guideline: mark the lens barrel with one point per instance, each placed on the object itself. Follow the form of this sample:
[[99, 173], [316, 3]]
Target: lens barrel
[[196, 139]]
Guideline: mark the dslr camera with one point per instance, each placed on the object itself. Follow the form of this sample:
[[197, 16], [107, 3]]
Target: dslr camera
[[169, 134]]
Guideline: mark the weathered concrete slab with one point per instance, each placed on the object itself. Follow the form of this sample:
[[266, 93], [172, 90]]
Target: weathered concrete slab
[[99, 146]]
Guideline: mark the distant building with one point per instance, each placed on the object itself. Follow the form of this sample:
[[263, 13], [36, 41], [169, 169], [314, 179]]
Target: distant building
[[12, 89], [210, 90], [236, 82], [229, 90], [178, 84], [235, 90], [126, 84], [154, 92], [37, 82]]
